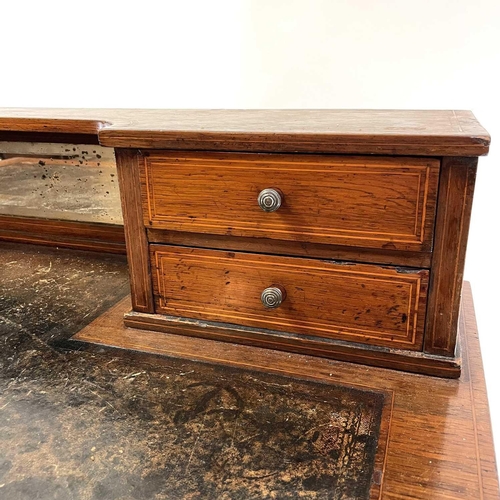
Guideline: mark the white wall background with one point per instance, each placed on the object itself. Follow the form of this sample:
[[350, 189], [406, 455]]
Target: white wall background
[[430, 54]]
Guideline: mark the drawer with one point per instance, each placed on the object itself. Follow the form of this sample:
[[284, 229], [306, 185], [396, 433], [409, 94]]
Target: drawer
[[362, 303], [372, 202]]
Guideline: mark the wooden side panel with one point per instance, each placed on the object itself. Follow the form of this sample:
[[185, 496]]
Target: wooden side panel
[[362, 303], [91, 236], [384, 203], [127, 162], [452, 227]]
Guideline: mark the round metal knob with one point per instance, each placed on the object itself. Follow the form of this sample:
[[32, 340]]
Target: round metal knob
[[273, 296], [269, 200]]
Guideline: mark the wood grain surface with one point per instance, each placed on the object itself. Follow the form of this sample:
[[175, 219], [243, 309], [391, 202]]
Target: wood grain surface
[[440, 443], [362, 303], [401, 132], [452, 228], [384, 203], [368, 355], [127, 164], [291, 248], [66, 234]]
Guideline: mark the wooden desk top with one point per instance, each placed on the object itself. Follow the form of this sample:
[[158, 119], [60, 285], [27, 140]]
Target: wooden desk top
[[425, 133], [436, 439]]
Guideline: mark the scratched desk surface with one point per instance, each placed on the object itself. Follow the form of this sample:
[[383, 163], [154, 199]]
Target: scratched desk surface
[[105, 425], [83, 421]]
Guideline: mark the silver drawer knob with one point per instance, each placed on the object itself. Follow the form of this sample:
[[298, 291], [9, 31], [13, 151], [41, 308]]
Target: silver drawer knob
[[273, 296], [269, 200]]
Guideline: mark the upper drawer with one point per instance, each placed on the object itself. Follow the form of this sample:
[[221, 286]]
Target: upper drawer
[[374, 202]]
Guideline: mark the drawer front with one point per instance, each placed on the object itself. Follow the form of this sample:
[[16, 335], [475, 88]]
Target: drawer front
[[362, 303], [357, 201]]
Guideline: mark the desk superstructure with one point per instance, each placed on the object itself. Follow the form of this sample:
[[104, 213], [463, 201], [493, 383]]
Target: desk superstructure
[[338, 233]]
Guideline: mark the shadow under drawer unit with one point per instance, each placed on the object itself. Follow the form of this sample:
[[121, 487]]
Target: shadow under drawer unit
[[347, 241]]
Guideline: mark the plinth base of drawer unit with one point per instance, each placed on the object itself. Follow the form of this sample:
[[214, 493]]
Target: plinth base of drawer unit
[[397, 359]]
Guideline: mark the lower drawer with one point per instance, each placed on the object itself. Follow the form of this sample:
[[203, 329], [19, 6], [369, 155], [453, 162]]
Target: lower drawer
[[369, 304]]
